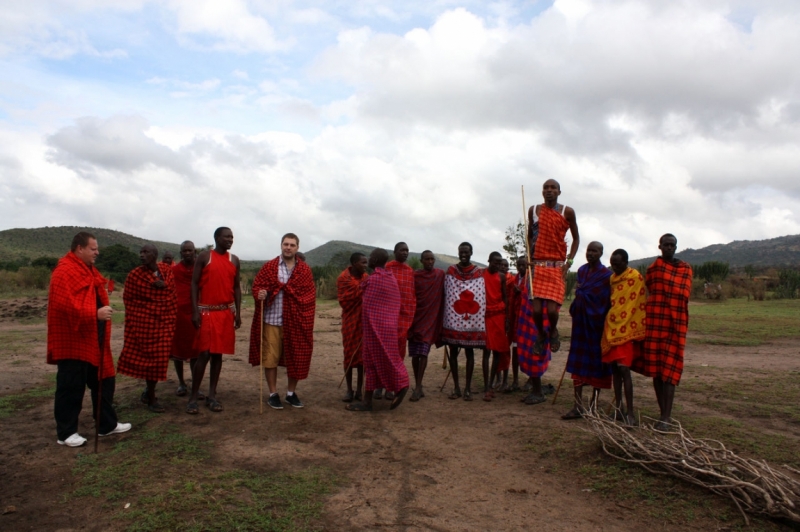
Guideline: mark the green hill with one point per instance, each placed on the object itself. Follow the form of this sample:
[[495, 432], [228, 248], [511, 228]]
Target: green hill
[[320, 256], [781, 251]]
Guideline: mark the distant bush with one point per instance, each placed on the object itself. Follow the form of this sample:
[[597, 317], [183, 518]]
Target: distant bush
[[788, 284], [415, 263], [712, 271], [45, 262], [116, 261], [25, 277]]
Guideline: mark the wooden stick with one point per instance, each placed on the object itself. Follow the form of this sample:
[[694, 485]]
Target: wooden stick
[[447, 355], [555, 395], [527, 244], [350, 363], [261, 353]]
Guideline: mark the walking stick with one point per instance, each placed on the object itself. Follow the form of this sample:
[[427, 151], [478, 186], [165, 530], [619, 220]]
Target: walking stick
[[261, 353], [555, 395], [444, 366], [350, 363], [527, 244]]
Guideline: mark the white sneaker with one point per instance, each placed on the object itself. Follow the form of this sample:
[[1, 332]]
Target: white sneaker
[[119, 429], [76, 440]]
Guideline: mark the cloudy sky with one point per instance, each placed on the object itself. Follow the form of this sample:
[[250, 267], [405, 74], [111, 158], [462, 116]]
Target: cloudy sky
[[379, 121]]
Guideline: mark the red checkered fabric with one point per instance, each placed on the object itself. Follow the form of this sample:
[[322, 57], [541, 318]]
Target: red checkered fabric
[[72, 315], [299, 305], [548, 282], [349, 294], [383, 365], [150, 316], [669, 286], [427, 325], [404, 275], [183, 342]]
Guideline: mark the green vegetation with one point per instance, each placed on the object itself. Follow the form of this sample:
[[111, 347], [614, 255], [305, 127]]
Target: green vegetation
[[711, 271], [741, 322], [115, 261], [515, 242], [24, 278], [14, 402], [788, 284]]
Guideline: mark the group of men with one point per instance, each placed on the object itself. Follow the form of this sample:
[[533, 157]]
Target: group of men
[[189, 311]]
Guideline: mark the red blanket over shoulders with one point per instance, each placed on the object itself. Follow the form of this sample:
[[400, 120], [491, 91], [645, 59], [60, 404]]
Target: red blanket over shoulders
[[299, 305], [427, 324], [72, 314]]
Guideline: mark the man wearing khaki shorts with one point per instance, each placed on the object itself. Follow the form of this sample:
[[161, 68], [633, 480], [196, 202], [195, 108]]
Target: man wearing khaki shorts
[[284, 289]]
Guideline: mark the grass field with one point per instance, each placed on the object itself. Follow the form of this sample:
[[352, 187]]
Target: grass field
[[742, 322]]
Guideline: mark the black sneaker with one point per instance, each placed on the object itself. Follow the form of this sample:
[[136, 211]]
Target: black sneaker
[[275, 402], [294, 401]]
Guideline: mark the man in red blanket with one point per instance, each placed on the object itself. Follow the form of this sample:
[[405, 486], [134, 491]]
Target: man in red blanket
[[383, 365], [151, 310], [183, 343], [404, 275], [548, 224], [496, 321], [669, 284], [79, 341], [349, 292], [426, 329], [286, 286], [216, 314]]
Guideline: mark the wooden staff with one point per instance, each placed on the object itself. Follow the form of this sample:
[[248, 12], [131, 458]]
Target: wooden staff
[[261, 353], [555, 395], [444, 366], [527, 244], [350, 363]]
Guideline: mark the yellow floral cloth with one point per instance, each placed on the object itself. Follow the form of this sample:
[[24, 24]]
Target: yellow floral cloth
[[625, 321]]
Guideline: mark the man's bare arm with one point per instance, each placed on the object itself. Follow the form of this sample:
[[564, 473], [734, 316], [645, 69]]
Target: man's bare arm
[[237, 293], [199, 264]]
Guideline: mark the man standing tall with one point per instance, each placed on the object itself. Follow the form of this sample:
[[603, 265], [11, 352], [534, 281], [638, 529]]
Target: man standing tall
[[404, 275], [349, 293], [548, 224], [496, 321], [183, 343], [426, 329], [79, 341], [669, 285], [151, 310], [286, 286], [216, 313]]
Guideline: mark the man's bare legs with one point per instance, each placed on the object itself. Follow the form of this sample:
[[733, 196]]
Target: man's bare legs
[[622, 380], [418, 364], [470, 354], [665, 393]]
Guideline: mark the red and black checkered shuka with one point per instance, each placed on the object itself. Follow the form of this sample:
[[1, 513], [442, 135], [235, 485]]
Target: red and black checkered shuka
[[150, 317], [72, 315], [669, 285], [299, 305], [349, 293], [383, 365], [404, 275], [548, 281]]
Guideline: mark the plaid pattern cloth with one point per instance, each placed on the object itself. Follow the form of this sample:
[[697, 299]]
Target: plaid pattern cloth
[[183, 341], [383, 365], [669, 286], [496, 338], [217, 333], [404, 275], [427, 324], [349, 294], [299, 305], [531, 364], [514, 302], [588, 311], [464, 321], [72, 326], [418, 349], [548, 282], [150, 316]]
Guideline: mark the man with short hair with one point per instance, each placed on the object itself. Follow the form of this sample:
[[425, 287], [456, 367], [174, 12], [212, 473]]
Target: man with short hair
[[588, 311], [669, 285], [151, 310], [464, 323], [168, 258], [183, 343], [496, 324], [624, 330], [286, 286], [349, 294], [383, 365], [426, 329], [79, 342], [216, 314], [404, 275]]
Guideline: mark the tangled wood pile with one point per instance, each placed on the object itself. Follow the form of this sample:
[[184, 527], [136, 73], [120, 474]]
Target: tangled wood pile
[[755, 486]]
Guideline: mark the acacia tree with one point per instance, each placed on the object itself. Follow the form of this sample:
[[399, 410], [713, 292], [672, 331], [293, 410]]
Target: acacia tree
[[515, 242]]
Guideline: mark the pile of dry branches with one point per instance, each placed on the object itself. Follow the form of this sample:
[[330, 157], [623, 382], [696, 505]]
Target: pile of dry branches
[[754, 485]]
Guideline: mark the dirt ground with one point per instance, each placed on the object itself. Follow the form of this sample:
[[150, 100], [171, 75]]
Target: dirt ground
[[438, 464]]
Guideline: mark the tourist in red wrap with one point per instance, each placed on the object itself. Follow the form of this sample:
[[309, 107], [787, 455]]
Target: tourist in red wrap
[[216, 314], [349, 292], [286, 330], [151, 310], [669, 285], [426, 329], [383, 365], [79, 341], [404, 275], [183, 343], [496, 321]]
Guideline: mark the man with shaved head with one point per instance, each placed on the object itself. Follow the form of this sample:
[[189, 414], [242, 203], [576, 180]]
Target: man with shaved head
[[404, 275], [383, 366], [183, 349], [496, 321], [168, 258], [349, 294], [151, 310], [426, 329]]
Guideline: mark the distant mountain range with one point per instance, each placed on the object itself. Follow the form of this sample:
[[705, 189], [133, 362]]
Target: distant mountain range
[[320, 256], [781, 251]]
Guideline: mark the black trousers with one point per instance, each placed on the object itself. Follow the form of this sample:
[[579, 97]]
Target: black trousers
[[71, 381]]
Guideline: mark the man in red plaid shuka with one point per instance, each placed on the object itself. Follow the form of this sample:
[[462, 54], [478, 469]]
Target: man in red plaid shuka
[[79, 341], [383, 366], [286, 286], [349, 293], [404, 275], [151, 310], [669, 285]]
